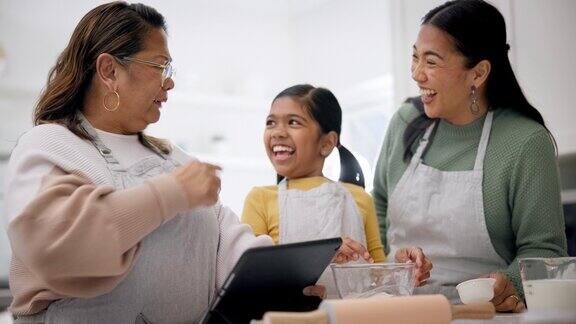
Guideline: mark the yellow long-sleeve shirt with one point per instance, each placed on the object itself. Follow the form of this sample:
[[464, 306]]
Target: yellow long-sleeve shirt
[[261, 211]]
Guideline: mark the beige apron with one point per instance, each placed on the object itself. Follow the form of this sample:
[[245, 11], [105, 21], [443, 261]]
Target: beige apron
[[326, 211], [443, 212]]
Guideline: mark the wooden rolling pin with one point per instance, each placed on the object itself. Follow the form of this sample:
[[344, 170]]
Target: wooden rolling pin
[[473, 311], [432, 309]]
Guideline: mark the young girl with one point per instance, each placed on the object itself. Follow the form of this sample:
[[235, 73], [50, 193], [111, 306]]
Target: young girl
[[302, 129]]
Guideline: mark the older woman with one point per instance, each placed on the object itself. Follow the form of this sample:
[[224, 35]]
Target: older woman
[[468, 170], [108, 225]]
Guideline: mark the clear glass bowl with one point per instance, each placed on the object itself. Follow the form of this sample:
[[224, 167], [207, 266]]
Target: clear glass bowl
[[550, 286], [374, 279]]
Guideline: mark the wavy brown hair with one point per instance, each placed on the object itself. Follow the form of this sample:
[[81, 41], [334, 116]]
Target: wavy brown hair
[[116, 28]]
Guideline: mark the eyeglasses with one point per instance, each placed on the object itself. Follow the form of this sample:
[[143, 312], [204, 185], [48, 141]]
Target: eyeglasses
[[167, 70]]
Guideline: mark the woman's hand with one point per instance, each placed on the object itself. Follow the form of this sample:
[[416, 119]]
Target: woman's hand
[[200, 182], [317, 290], [505, 297], [415, 255], [351, 250]]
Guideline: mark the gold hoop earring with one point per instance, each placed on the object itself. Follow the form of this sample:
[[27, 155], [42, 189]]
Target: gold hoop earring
[[474, 107], [117, 101]]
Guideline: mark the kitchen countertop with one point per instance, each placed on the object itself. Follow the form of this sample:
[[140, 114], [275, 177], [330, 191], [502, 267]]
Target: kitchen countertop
[[523, 318], [498, 319]]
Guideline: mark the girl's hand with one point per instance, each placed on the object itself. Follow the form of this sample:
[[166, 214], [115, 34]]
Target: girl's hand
[[351, 250], [415, 255], [317, 290], [505, 296]]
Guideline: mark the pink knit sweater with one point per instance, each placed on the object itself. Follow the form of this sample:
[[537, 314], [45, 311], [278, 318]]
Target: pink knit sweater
[[74, 235]]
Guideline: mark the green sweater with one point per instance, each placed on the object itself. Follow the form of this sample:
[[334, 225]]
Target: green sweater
[[521, 186]]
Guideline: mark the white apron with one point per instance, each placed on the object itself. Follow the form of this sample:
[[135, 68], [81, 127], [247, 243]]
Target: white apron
[[326, 211], [173, 278], [443, 212]]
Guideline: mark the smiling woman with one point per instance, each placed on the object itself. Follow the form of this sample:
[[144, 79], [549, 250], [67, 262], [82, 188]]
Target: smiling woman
[[445, 86], [142, 88], [468, 169], [142, 80], [106, 224]]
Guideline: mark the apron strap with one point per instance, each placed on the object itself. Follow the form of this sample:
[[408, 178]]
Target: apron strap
[[485, 137], [424, 141], [104, 151], [479, 164], [283, 185]]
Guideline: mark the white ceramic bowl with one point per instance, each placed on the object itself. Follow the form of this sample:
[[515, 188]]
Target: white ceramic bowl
[[479, 290], [374, 279]]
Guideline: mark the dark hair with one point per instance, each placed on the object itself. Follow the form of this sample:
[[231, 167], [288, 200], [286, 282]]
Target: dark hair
[[116, 28], [325, 109], [479, 33]]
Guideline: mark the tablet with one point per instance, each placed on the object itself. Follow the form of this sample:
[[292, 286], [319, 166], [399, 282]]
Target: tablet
[[272, 278]]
